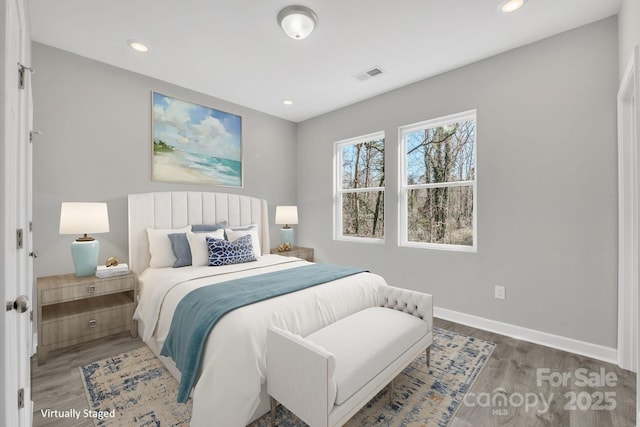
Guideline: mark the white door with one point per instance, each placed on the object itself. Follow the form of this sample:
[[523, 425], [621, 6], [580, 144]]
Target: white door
[[15, 265], [629, 220], [628, 211]]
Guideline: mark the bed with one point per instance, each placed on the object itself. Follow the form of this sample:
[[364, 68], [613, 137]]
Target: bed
[[230, 388]]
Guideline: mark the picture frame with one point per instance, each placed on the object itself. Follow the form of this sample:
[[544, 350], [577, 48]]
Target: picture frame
[[194, 144]]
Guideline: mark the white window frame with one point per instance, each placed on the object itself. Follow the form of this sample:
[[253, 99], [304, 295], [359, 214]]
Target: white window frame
[[338, 191], [403, 188]]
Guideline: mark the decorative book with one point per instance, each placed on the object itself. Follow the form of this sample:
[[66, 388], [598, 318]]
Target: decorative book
[[118, 270]]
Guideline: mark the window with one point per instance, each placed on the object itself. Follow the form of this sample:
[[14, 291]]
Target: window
[[438, 183], [359, 184]]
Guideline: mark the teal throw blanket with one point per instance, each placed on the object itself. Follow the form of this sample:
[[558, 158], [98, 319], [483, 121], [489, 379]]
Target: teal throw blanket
[[199, 311]]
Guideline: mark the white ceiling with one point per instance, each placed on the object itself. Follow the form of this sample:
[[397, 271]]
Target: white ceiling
[[235, 50]]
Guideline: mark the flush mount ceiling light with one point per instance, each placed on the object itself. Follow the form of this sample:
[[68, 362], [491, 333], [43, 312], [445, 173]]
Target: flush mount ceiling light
[[509, 6], [137, 45], [287, 102], [297, 21]]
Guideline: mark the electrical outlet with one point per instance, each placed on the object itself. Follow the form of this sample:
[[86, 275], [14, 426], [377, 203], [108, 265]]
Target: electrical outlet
[[499, 292]]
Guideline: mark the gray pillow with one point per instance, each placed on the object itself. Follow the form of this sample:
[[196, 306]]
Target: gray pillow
[[199, 228], [180, 243], [181, 250]]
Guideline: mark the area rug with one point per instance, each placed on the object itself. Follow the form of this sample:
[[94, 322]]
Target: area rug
[[142, 392]]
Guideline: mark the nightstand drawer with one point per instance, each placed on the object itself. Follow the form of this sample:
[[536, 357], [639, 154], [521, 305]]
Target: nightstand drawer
[[91, 288], [87, 326]]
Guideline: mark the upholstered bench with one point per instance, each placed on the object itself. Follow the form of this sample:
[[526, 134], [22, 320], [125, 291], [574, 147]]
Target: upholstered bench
[[326, 377]]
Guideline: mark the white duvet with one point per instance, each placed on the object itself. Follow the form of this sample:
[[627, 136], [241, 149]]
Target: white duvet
[[233, 371]]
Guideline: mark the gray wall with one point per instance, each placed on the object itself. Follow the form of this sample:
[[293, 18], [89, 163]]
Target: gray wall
[[629, 31], [547, 179], [96, 146]]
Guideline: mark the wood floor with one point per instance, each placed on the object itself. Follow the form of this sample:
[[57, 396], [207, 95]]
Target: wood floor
[[515, 367], [510, 376], [57, 384]]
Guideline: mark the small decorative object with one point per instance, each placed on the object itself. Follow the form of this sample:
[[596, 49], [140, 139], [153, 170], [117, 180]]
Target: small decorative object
[[286, 215], [285, 247], [112, 262], [83, 218]]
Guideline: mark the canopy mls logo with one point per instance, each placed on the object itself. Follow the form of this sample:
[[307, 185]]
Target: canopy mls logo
[[501, 402]]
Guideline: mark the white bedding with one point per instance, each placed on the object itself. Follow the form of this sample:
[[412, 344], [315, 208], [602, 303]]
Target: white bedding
[[233, 370]]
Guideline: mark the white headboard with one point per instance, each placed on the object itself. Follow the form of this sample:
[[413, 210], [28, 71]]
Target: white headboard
[[180, 208]]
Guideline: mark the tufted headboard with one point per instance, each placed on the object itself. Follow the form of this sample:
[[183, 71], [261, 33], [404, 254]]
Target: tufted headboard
[[180, 208]]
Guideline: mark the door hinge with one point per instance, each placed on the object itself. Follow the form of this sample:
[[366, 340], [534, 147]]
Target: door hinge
[[33, 133], [20, 78], [21, 398], [31, 315], [21, 74], [19, 238]]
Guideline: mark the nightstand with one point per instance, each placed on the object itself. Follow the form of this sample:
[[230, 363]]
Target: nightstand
[[74, 309], [296, 251]]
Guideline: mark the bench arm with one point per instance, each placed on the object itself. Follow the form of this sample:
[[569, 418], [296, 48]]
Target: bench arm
[[301, 376], [416, 303]]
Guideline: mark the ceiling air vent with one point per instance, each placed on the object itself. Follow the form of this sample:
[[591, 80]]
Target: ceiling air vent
[[366, 75]]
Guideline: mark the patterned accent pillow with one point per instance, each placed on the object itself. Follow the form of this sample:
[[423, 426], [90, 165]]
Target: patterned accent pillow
[[223, 252], [231, 234]]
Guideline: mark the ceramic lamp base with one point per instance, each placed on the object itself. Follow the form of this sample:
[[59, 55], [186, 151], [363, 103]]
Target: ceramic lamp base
[[85, 257], [286, 236]]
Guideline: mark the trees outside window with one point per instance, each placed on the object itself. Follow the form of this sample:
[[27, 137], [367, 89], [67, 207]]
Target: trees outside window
[[359, 188], [438, 183]]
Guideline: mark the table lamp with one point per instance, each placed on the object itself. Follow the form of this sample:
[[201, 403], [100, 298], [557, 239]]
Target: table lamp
[[84, 218], [286, 215]]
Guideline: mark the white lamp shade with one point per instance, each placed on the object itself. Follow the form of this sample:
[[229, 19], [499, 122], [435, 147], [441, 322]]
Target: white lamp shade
[[297, 21], [286, 214], [83, 218]]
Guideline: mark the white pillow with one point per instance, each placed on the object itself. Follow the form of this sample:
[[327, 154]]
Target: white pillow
[[160, 246], [237, 232], [198, 246]]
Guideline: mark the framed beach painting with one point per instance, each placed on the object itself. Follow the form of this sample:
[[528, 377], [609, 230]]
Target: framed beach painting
[[194, 144]]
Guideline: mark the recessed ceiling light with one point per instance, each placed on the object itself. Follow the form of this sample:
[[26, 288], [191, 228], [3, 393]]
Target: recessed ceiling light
[[509, 6], [137, 45], [287, 102]]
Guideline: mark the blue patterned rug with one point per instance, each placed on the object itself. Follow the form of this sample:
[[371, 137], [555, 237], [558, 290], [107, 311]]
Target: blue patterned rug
[[143, 393]]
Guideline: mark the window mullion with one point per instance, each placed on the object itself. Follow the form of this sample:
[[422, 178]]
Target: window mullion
[[361, 190], [440, 184]]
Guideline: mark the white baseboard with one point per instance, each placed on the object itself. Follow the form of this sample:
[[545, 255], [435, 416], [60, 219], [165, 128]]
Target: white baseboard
[[599, 352]]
